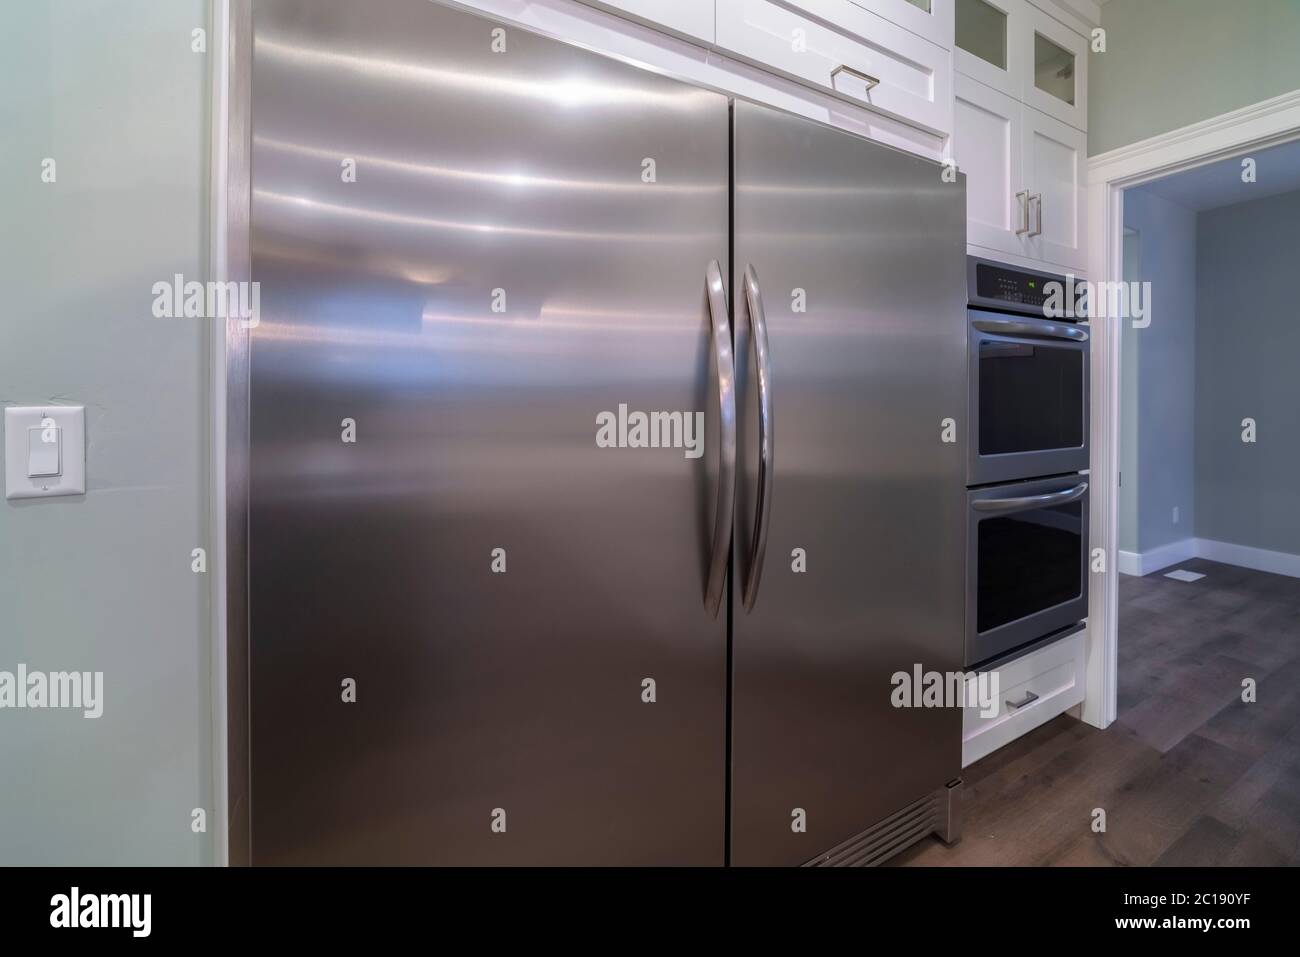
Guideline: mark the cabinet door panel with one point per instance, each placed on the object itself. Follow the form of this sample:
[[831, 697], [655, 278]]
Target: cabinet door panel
[[1054, 158], [988, 43], [987, 148]]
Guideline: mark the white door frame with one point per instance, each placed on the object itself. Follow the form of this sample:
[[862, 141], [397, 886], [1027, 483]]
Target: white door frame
[[1238, 133]]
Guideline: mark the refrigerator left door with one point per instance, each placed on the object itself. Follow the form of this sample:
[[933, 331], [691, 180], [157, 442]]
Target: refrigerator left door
[[477, 621]]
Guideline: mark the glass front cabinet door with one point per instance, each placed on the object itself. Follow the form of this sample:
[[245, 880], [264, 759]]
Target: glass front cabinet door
[[1018, 50], [1057, 79], [985, 46]]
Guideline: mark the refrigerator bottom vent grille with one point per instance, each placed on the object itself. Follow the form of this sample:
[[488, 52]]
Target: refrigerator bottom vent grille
[[882, 841]]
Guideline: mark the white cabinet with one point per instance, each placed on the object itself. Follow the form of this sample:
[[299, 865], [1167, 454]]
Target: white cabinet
[[1024, 177], [1019, 50], [988, 146], [1054, 157], [1031, 690], [690, 18], [1056, 81], [843, 48], [986, 43], [931, 19]]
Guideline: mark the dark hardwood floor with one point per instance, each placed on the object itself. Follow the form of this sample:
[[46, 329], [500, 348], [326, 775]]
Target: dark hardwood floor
[[1189, 774]]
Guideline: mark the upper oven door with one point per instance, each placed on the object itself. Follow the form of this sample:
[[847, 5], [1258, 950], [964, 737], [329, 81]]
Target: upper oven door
[[1028, 397]]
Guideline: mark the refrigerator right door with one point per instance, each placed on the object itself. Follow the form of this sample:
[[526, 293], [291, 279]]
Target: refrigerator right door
[[854, 253]]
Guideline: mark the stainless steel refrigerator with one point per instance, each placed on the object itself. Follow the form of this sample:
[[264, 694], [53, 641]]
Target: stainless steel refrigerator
[[481, 630]]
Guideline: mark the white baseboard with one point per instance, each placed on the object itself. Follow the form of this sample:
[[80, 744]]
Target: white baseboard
[[1144, 563], [1260, 559], [1244, 556]]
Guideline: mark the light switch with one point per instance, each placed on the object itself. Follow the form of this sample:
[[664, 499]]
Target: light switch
[[45, 451]]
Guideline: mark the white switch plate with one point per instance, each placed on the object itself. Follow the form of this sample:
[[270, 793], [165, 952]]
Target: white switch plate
[[70, 420]]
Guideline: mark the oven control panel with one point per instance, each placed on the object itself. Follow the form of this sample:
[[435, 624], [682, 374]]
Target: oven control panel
[[1017, 290], [1009, 286]]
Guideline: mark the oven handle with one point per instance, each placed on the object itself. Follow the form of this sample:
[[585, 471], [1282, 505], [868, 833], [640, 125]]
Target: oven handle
[[1041, 330], [1026, 502]]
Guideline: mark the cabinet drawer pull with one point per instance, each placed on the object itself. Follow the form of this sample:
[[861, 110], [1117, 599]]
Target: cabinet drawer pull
[[871, 81], [1029, 698]]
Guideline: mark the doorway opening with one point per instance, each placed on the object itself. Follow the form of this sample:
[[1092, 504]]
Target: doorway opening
[[1208, 502]]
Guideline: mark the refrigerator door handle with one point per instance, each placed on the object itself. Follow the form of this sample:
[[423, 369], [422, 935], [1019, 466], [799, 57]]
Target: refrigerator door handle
[[727, 448], [763, 504]]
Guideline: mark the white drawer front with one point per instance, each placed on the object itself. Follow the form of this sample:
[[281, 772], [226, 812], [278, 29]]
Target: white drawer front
[[935, 23], [833, 44], [692, 18], [1031, 691]]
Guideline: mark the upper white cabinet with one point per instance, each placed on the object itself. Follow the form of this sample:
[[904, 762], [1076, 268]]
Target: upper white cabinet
[[1019, 50], [1054, 158], [690, 18], [1057, 80], [984, 44], [1019, 116], [1024, 177], [931, 19], [988, 146], [842, 47]]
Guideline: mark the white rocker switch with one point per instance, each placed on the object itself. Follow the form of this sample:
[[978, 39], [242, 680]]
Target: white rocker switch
[[45, 451]]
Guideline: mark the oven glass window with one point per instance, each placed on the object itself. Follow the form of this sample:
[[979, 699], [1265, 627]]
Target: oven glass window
[[1028, 561], [1030, 396]]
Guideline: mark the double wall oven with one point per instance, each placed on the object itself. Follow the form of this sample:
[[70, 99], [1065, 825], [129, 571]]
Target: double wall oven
[[1027, 487]]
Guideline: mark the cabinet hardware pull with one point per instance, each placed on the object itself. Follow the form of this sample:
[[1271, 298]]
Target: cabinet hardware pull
[[871, 81], [1029, 698], [1037, 200]]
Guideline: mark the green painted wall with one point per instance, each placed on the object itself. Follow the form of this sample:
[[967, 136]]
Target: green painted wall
[[1169, 63], [110, 90]]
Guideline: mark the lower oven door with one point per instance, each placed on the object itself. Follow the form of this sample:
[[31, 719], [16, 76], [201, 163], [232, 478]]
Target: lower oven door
[[1028, 397], [1027, 563]]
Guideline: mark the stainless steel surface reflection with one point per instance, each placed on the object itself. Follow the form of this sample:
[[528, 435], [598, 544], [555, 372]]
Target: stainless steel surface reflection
[[860, 385], [497, 275]]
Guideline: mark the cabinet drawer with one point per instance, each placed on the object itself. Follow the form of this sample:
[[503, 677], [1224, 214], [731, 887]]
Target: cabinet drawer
[[839, 47], [932, 19], [690, 18], [1031, 691]]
